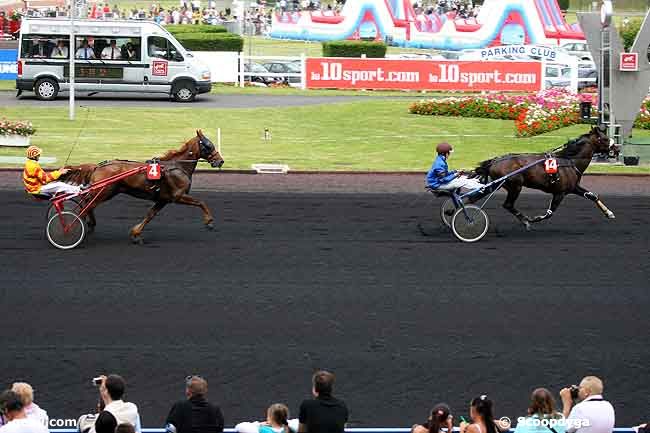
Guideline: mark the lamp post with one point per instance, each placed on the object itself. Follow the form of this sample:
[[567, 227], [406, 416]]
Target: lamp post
[[604, 85]]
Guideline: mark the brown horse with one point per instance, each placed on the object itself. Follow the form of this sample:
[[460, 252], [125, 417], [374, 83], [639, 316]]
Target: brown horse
[[177, 168], [573, 159]]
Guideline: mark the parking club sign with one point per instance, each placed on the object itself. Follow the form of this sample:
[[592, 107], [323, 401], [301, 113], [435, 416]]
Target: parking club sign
[[629, 62], [159, 68]]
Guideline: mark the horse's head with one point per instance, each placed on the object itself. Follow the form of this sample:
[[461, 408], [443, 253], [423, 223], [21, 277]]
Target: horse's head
[[207, 150], [600, 142]]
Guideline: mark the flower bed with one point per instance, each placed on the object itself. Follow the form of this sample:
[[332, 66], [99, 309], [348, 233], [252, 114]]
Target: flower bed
[[8, 127], [15, 133], [533, 114], [643, 119]]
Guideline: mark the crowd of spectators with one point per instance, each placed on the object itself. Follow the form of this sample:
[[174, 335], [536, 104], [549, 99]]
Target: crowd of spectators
[[584, 410]]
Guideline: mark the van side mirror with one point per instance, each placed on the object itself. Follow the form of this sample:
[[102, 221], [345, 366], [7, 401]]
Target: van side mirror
[[178, 57]]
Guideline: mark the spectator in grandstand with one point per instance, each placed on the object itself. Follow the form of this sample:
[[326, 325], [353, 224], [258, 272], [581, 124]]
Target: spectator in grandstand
[[111, 52], [16, 419], [482, 415], [277, 421], [324, 413], [593, 414], [440, 420], [26, 394], [541, 415], [85, 52], [125, 428], [195, 414]]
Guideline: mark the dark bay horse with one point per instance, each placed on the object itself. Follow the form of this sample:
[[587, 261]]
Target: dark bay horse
[[573, 159], [177, 168]]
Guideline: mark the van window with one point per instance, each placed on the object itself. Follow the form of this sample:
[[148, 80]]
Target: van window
[[161, 48], [107, 48], [45, 47]]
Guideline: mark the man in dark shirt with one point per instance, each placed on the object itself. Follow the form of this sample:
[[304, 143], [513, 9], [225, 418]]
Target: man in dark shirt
[[196, 414], [323, 414]]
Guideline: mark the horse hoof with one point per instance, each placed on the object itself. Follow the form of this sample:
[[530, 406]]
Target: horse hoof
[[611, 215], [527, 226], [137, 240], [210, 226]]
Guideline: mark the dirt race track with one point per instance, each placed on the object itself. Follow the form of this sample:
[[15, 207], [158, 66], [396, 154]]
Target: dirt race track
[[325, 275]]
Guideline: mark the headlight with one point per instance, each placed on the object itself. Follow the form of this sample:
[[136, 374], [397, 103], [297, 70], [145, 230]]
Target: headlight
[[205, 75]]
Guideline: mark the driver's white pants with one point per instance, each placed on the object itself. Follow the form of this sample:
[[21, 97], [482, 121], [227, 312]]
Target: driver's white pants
[[56, 187], [461, 182]]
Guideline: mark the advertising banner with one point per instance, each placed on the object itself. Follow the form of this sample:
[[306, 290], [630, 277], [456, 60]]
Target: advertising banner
[[399, 74], [8, 64]]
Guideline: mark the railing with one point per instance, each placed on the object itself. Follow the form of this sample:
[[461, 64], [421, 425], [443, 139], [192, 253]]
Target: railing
[[348, 430]]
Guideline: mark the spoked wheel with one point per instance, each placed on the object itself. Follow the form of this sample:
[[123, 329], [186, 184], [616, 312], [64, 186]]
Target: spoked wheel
[[70, 205], [470, 224], [447, 211], [65, 231]]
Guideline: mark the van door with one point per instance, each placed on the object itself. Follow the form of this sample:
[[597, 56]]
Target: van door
[[165, 60]]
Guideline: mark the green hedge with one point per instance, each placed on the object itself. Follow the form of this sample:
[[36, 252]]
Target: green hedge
[[354, 49], [195, 28], [628, 33], [210, 41]]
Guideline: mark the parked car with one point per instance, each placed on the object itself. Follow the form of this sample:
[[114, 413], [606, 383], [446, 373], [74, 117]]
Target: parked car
[[258, 79], [557, 76], [587, 73], [283, 67], [578, 49]]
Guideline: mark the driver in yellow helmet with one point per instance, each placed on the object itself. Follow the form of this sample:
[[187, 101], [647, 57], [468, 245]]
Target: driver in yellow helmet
[[38, 181]]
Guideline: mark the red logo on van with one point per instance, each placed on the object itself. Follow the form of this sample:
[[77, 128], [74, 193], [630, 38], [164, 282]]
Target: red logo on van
[[159, 68]]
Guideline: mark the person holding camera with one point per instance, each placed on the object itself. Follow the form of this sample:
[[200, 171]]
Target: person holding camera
[[113, 411], [593, 414]]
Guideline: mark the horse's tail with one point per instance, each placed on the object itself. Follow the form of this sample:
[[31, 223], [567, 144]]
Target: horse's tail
[[79, 174], [483, 170]]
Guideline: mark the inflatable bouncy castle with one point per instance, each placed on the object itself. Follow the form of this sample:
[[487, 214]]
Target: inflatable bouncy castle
[[499, 22]]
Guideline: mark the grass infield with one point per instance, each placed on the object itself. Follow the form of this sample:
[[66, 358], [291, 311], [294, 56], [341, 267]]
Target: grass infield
[[369, 135]]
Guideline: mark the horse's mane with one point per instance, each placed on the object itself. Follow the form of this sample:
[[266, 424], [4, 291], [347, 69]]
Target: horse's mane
[[572, 147], [79, 174], [173, 153]]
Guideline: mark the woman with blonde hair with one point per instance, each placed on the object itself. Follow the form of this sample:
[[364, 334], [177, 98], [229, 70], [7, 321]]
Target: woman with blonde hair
[[32, 410], [277, 421]]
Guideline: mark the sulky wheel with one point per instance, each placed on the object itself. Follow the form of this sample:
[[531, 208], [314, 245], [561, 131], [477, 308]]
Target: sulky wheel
[[470, 223], [65, 231], [447, 211]]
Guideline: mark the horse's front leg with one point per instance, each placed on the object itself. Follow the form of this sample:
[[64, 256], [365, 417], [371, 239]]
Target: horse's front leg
[[90, 219], [208, 220], [594, 197], [555, 203], [513, 194], [136, 230]]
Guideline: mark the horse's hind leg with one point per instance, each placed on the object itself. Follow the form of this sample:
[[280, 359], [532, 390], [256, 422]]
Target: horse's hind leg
[[594, 197], [513, 194], [91, 221], [136, 230], [208, 220], [555, 203]]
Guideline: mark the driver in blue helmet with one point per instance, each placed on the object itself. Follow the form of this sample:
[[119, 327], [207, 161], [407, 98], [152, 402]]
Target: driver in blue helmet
[[440, 178]]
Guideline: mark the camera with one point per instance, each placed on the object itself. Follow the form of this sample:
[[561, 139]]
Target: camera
[[574, 391], [97, 381]]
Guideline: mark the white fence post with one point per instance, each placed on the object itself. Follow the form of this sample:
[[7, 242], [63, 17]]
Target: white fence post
[[241, 69], [303, 71]]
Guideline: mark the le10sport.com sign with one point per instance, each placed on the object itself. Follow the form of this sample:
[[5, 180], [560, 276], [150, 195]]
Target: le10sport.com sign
[[398, 74]]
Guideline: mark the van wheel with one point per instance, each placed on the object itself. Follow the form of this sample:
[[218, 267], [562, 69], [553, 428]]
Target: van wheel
[[184, 91], [46, 89]]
